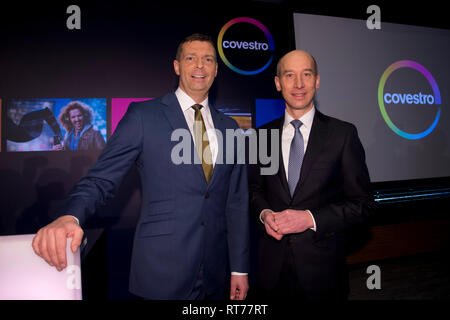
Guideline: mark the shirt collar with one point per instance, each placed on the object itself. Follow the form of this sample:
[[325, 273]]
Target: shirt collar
[[186, 101], [306, 119]]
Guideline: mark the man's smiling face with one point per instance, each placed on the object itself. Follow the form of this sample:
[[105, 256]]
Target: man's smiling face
[[297, 80], [197, 68]]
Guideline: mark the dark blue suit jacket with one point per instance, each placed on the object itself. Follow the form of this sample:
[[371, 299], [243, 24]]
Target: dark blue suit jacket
[[184, 221]]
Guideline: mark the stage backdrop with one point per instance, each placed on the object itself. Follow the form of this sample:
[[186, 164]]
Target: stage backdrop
[[124, 51]]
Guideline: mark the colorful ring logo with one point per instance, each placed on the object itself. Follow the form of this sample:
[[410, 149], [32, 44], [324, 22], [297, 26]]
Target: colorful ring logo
[[434, 86], [255, 23]]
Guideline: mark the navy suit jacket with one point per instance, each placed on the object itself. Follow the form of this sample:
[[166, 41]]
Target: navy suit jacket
[[184, 221], [335, 186]]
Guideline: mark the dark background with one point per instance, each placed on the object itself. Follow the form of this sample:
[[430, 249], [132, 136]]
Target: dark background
[[126, 49]]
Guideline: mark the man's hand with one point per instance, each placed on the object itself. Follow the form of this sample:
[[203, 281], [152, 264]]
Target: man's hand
[[50, 241], [292, 221], [268, 216], [239, 287]]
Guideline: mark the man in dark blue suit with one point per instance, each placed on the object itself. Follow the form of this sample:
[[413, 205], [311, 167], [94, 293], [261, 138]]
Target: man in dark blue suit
[[193, 229]]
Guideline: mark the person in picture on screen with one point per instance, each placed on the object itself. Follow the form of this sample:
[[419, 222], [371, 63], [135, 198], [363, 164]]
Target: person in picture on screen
[[76, 118], [322, 188], [191, 240]]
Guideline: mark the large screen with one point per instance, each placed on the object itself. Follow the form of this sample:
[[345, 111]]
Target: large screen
[[55, 124], [392, 83]]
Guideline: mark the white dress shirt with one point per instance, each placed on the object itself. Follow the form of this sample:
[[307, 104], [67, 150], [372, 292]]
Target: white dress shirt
[[287, 135], [186, 103]]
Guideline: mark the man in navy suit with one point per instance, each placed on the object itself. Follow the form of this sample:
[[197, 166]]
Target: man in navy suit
[[322, 188], [192, 233]]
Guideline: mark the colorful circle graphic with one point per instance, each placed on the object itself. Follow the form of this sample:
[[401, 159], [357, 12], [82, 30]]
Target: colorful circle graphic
[[434, 86], [255, 23]]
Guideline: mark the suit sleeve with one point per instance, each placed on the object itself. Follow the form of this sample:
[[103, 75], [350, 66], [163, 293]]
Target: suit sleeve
[[104, 177], [357, 204], [237, 216]]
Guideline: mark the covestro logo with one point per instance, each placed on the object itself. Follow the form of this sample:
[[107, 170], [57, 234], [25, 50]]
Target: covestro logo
[[245, 45], [413, 97], [255, 45]]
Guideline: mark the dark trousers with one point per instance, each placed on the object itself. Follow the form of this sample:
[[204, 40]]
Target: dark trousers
[[199, 292], [288, 286]]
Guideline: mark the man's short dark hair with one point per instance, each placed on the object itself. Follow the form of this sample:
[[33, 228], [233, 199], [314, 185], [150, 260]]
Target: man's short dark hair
[[194, 37]]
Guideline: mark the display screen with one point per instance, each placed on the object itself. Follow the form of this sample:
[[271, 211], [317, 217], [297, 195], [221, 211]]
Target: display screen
[[392, 83], [55, 124]]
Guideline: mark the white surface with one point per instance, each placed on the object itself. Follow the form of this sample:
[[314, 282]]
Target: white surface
[[26, 276]]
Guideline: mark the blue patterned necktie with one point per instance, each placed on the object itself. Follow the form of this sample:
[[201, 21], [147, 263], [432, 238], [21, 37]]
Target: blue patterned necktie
[[295, 156]]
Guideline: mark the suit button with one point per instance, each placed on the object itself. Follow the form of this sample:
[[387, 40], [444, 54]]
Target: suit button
[[207, 195], [202, 223]]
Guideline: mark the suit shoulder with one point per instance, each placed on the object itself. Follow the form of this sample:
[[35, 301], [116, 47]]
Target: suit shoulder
[[230, 122], [337, 123], [145, 104], [145, 107]]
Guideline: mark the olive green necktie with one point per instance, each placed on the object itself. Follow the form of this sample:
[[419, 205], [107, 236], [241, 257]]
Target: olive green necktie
[[202, 145]]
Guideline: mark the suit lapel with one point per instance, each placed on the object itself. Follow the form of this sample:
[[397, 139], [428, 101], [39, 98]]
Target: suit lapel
[[173, 112], [317, 139], [175, 117], [219, 124], [282, 170]]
